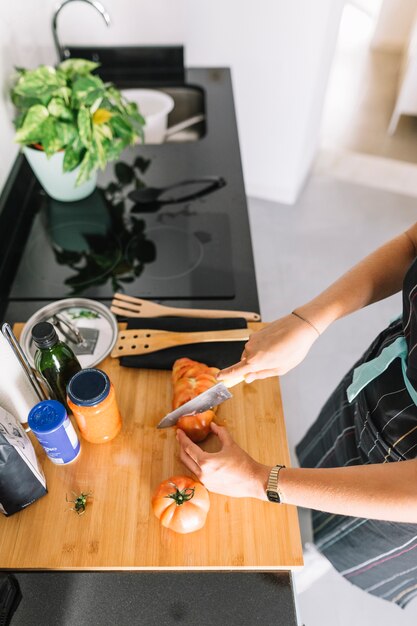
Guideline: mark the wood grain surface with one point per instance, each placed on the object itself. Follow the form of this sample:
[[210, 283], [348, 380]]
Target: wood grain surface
[[118, 530]]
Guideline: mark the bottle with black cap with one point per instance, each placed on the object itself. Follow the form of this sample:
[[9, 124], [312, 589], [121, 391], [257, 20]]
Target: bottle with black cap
[[54, 360]]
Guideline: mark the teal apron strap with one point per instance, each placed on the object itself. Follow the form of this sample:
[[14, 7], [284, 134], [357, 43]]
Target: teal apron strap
[[409, 386], [365, 373]]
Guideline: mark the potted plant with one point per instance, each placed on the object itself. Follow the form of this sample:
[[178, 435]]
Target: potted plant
[[70, 123]]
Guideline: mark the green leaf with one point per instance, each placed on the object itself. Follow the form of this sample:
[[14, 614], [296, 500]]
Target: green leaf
[[65, 94], [66, 132], [105, 131], [39, 82], [86, 85], [30, 131], [133, 112], [88, 164], [95, 105], [100, 149], [114, 96], [120, 127], [18, 120], [72, 158], [84, 126], [115, 148], [93, 99], [23, 103], [57, 108], [51, 143], [82, 67]]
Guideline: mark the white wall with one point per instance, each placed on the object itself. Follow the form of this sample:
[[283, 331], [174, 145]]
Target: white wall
[[394, 23], [280, 54], [25, 41]]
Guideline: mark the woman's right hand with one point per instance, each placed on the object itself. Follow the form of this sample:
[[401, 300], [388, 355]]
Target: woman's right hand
[[273, 351]]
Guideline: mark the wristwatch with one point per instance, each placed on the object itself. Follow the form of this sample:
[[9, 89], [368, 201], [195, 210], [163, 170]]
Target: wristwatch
[[272, 491]]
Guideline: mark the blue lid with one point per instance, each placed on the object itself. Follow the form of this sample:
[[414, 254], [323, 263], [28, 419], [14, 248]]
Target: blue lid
[[88, 387], [46, 416]]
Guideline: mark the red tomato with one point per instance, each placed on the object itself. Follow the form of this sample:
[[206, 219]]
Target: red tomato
[[197, 427], [181, 504], [190, 378]]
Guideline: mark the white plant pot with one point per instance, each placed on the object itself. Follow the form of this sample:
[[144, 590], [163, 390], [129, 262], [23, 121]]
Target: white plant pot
[[58, 184]]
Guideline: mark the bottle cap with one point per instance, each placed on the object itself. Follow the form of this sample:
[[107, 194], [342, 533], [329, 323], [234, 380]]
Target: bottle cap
[[46, 416], [44, 335], [88, 387]]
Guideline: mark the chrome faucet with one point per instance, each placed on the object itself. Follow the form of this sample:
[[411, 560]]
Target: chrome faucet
[[63, 53]]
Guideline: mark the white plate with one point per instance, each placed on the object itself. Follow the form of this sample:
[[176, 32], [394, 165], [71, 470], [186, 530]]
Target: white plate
[[102, 319]]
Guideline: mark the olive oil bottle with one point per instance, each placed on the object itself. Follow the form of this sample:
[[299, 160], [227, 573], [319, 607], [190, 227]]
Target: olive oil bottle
[[54, 360]]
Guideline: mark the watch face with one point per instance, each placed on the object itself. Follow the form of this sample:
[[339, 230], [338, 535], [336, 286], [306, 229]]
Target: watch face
[[273, 496]]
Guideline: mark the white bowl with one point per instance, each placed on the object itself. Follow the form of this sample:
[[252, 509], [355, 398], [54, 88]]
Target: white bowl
[[155, 106]]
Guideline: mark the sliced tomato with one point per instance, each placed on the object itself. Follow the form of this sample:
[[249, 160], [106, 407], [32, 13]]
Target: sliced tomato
[[190, 378]]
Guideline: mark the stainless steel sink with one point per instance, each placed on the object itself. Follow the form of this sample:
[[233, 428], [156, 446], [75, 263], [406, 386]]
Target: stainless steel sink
[[189, 102]]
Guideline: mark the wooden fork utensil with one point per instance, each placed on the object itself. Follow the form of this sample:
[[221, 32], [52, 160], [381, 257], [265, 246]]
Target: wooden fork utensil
[[143, 341], [129, 306]]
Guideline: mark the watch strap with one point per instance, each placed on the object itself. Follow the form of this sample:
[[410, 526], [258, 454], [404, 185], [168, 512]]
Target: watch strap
[[272, 491]]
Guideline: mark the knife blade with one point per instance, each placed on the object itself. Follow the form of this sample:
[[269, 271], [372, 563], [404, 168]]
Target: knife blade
[[203, 402]]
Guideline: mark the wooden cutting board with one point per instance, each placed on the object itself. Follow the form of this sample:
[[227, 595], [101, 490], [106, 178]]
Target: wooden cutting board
[[118, 530]]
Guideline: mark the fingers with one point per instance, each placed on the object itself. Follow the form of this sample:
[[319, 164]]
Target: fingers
[[190, 463], [223, 434], [189, 452], [247, 371], [188, 446], [249, 378], [235, 371]]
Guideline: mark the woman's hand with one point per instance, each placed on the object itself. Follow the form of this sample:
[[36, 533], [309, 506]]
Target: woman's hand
[[273, 351], [230, 472]]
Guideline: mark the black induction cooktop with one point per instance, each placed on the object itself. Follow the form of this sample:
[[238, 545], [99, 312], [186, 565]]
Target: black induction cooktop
[[105, 243], [117, 238]]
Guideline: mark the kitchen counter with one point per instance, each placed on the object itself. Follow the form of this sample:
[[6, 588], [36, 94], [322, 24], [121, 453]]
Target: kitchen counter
[[30, 275], [256, 541], [245, 587]]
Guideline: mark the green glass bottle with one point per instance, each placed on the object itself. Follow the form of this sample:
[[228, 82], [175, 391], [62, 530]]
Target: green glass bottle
[[54, 360]]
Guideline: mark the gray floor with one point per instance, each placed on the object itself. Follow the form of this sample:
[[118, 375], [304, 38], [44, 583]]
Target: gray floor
[[299, 250]]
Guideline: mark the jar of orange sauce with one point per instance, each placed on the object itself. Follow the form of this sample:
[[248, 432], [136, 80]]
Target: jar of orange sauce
[[92, 399]]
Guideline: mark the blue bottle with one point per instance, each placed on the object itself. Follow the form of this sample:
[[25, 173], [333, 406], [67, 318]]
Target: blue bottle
[[52, 427]]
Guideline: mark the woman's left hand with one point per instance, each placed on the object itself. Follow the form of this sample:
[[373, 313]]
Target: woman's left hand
[[230, 472]]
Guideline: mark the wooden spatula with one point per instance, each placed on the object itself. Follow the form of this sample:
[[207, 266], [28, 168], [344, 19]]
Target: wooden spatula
[[144, 341], [136, 307]]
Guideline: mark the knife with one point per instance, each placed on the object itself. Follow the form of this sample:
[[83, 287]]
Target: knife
[[203, 402]]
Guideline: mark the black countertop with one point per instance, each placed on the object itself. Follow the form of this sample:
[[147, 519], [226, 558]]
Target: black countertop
[[155, 599], [30, 277]]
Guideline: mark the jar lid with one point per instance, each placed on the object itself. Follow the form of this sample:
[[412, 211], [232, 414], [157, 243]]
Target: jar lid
[[88, 387], [46, 416], [44, 335]]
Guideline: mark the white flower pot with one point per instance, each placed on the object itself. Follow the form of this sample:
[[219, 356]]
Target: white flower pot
[[58, 184]]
